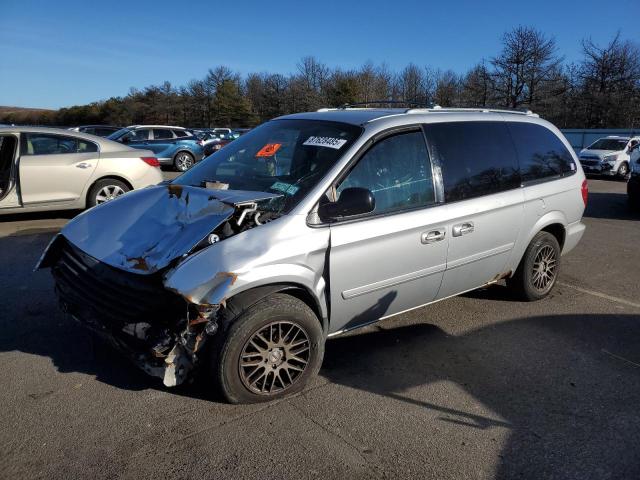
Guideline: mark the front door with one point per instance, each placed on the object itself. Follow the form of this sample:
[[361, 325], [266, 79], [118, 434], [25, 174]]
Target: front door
[[392, 259], [54, 168]]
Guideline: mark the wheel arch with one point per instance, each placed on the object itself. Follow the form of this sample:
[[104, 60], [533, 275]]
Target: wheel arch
[[245, 299], [185, 150], [553, 222], [557, 230], [105, 177]]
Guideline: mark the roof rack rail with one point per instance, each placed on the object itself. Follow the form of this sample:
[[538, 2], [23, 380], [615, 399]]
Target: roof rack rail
[[475, 109], [385, 102]]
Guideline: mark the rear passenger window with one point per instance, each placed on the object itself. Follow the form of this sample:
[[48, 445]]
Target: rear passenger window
[[540, 152], [476, 158], [161, 134], [397, 171], [180, 133]]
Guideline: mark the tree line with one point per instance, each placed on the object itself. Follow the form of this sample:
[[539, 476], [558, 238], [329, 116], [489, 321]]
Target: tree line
[[600, 90]]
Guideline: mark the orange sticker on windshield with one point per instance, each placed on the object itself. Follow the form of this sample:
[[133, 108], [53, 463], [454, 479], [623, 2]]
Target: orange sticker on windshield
[[269, 150]]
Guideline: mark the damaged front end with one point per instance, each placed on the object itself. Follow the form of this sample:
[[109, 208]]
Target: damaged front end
[[109, 265]]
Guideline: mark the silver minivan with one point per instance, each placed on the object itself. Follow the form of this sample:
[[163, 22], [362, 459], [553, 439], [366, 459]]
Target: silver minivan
[[314, 224]]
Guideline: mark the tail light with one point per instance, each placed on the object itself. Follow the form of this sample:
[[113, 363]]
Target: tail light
[[585, 192], [153, 161], [200, 142]]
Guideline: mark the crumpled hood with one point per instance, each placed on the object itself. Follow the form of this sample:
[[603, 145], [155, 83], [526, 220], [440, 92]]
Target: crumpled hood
[[144, 230]]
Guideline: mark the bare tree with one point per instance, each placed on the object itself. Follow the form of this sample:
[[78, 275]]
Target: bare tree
[[610, 78], [525, 63]]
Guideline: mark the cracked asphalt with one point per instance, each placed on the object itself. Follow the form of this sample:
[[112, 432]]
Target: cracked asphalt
[[478, 386]]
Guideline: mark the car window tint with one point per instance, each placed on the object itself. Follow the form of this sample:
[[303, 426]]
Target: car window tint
[[86, 147], [44, 144], [540, 152], [139, 135], [103, 132], [181, 133], [476, 158], [162, 133], [397, 171]]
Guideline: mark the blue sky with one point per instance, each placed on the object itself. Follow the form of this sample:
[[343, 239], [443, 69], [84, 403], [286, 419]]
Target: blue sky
[[62, 53]]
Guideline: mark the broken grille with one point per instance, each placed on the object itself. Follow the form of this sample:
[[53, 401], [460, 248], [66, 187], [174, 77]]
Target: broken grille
[[98, 293]]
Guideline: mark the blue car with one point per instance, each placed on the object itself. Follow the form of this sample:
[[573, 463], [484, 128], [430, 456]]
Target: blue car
[[173, 146]]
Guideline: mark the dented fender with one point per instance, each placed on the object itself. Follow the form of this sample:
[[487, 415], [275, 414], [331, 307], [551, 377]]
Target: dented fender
[[272, 254]]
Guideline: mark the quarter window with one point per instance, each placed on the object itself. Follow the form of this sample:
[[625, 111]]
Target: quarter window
[[476, 158], [180, 133], [540, 152], [397, 171]]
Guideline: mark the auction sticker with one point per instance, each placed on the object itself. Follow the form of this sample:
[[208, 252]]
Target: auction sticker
[[269, 150], [328, 142]]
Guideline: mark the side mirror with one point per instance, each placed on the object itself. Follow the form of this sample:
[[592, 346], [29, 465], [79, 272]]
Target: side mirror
[[125, 139], [352, 201]]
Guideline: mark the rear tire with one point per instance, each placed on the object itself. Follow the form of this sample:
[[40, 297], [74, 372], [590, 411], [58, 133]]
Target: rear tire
[[538, 270], [104, 190], [183, 161], [269, 351]]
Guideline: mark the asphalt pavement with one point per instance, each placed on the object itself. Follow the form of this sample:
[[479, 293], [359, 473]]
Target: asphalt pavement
[[474, 387]]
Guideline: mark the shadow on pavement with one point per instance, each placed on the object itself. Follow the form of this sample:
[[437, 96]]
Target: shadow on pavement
[[48, 215], [567, 386], [609, 205]]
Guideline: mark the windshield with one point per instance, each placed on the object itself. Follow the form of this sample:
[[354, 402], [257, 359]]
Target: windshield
[[119, 133], [609, 144], [287, 157]]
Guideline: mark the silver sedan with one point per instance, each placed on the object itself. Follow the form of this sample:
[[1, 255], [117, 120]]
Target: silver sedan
[[52, 169]]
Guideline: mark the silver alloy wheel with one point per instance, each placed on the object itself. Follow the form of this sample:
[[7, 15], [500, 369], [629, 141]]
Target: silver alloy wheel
[[274, 357], [184, 161], [108, 192], [544, 268]]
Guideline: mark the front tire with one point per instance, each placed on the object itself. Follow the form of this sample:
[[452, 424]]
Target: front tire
[[538, 270], [270, 351], [183, 161], [105, 190], [623, 171]]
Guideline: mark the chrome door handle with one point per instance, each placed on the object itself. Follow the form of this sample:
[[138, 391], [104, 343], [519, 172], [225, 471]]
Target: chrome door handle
[[462, 229], [82, 165], [433, 236]]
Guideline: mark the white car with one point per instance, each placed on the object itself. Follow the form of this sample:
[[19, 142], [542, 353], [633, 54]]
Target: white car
[[607, 156], [52, 169]]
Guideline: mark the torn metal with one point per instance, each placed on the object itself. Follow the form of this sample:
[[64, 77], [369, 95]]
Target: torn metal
[[134, 283]]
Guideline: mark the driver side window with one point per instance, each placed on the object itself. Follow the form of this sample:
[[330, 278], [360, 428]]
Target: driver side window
[[397, 171]]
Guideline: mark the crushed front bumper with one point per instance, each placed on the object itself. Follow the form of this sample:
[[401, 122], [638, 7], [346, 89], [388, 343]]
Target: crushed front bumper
[[157, 329], [596, 167]]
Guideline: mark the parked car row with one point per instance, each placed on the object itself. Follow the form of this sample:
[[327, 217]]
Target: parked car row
[[55, 169], [173, 146]]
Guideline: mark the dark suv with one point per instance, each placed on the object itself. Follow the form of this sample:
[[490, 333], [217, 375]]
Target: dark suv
[[175, 146]]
